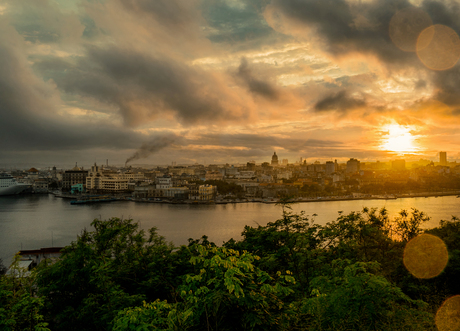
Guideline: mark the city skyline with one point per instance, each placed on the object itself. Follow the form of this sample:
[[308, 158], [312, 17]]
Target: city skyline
[[227, 81]]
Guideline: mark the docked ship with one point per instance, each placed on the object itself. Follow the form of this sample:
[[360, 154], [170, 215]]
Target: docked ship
[[9, 185]]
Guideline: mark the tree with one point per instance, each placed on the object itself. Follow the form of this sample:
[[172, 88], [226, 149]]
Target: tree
[[226, 292], [104, 271], [3, 269], [20, 307], [290, 243], [354, 297]]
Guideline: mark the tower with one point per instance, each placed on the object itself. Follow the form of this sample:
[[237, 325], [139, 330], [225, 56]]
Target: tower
[[443, 158], [274, 159]]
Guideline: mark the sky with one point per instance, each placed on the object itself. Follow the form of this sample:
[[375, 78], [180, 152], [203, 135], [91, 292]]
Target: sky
[[227, 81]]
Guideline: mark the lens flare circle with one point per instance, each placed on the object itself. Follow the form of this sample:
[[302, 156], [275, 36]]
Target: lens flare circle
[[438, 47], [406, 25], [425, 256], [448, 316]]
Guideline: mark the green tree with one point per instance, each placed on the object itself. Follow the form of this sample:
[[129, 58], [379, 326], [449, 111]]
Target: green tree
[[290, 243], [3, 269], [20, 307], [104, 271], [226, 292], [354, 297]]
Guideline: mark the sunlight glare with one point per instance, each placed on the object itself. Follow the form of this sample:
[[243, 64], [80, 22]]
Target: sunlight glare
[[399, 139]]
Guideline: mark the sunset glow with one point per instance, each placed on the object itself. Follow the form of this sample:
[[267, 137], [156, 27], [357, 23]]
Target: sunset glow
[[399, 139], [228, 80]]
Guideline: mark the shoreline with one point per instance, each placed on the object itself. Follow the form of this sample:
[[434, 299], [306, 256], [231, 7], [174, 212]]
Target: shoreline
[[270, 200]]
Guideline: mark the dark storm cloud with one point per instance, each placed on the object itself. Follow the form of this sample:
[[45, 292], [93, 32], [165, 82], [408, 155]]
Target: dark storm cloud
[[143, 86], [448, 86], [349, 27], [255, 85], [262, 142], [339, 101], [29, 121]]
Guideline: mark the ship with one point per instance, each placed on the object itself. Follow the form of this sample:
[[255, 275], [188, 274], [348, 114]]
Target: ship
[[9, 185]]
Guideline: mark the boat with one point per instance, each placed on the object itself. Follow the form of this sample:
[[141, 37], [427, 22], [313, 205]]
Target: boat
[[9, 185]]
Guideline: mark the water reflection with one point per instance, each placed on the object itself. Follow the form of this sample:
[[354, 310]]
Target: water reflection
[[31, 219]]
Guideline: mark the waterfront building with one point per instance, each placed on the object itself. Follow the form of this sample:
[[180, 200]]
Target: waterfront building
[[193, 193], [99, 180], [164, 182], [207, 192], [33, 173], [40, 185], [74, 176]]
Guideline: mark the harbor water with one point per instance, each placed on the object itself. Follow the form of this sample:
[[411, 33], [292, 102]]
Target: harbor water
[[36, 221]]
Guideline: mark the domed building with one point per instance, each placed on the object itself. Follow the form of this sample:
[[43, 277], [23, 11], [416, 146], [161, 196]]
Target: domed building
[[274, 159]]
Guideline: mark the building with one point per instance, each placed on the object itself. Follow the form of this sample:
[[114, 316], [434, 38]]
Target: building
[[274, 159], [443, 158], [213, 175], [73, 176], [164, 182], [207, 192], [100, 181], [330, 167], [398, 164], [353, 165]]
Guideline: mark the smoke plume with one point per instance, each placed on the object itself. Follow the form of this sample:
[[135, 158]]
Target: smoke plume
[[149, 148]]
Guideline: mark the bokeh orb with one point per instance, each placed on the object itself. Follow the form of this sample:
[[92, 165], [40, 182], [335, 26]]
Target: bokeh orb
[[425, 256], [406, 25], [438, 47], [448, 316]]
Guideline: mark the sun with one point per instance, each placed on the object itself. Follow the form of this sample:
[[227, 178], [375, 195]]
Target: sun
[[399, 139]]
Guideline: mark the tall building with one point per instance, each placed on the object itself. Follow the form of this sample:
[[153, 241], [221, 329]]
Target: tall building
[[274, 159], [443, 158], [330, 167], [353, 165]]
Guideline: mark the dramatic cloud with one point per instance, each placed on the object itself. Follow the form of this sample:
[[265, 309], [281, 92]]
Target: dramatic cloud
[[255, 85], [227, 79], [339, 101]]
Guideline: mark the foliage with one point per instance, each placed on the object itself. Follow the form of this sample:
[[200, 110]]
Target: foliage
[[3, 269], [290, 243], [227, 292], [353, 297], [408, 225], [20, 308], [290, 274], [104, 271]]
